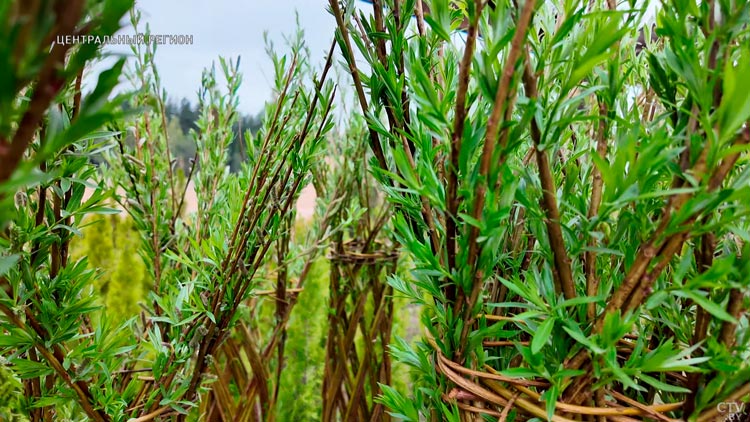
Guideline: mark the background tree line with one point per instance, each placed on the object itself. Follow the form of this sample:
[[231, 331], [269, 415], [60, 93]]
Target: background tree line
[[182, 118]]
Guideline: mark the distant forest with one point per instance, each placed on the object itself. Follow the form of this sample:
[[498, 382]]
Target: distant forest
[[182, 118]]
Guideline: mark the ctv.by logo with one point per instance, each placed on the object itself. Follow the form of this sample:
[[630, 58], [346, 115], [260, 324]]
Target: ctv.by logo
[[733, 411]]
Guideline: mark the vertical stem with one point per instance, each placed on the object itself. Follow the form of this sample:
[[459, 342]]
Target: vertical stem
[[597, 184], [493, 127], [549, 198], [458, 128], [419, 12], [704, 257], [735, 309], [349, 55]]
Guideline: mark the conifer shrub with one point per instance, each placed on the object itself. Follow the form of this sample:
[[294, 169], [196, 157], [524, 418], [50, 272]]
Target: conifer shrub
[[110, 246], [11, 391]]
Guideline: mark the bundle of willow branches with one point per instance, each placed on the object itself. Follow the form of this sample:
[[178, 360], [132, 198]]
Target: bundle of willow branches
[[571, 198], [204, 268]]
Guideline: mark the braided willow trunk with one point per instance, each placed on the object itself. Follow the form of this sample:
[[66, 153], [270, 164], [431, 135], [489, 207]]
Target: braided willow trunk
[[567, 196], [360, 323]]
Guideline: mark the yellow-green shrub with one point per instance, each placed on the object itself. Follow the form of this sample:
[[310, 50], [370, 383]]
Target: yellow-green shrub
[[110, 244]]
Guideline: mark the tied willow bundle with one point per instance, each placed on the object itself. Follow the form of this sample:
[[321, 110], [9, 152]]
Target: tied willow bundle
[[572, 198]]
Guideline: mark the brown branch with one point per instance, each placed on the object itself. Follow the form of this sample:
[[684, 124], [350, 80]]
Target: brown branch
[[397, 126], [638, 281], [170, 173], [64, 235], [646, 409], [377, 14], [653, 248], [458, 130], [257, 181], [506, 410], [493, 126], [349, 55], [151, 416], [177, 212], [34, 390], [735, 309], [419, 11], [609, 412], [283, 307], [231, 262], [325, 224], [288, 205], [238, 248], [704, 257], [50, 82], [400, 74], [597, 184], [358, 390], [56, 250], [40, 211], [381, 53], [282, 279], [674, 243], [549, 199], [77, 96]]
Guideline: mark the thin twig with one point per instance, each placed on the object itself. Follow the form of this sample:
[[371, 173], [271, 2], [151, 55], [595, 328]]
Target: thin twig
[[459, 121], [349, 55]]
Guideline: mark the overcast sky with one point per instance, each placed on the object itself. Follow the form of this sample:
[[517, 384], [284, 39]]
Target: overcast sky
[[233, 28], [230, 28]]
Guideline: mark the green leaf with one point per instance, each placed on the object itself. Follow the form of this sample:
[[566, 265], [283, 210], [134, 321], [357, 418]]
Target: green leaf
[[400, 406], [734, 109], [7, 262], [597, 51], [710, 307], [550, 399], [575, 332], [662, 386], [624, 378], [519, 373], [542, 335], [579, 301]]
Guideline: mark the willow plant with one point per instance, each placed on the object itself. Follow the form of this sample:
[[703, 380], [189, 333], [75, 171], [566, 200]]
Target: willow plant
[[253, 359], [48, 129], [203, 269], [207, 266], [361, 308], [570, 190]]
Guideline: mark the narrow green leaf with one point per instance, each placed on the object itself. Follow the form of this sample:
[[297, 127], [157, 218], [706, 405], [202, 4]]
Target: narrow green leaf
[[542, 335], [711, 307]]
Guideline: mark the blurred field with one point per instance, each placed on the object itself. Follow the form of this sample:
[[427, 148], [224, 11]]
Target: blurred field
[[305, 204]]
